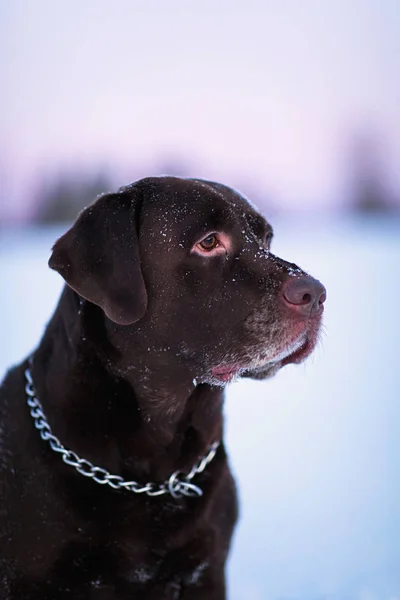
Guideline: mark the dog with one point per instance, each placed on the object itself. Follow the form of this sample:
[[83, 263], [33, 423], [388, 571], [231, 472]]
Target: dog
[[114, 479]]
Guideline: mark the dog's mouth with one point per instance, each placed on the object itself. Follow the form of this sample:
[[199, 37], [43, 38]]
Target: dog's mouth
[[293, 353], [226, 373], [297, 355]]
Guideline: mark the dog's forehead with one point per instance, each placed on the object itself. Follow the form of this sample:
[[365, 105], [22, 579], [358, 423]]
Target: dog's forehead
[[184, 201]]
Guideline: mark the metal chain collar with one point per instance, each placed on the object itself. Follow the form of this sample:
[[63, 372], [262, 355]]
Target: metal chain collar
[[177, 485]]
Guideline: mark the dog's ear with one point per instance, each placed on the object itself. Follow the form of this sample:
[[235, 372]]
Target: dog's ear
[[99, 257]]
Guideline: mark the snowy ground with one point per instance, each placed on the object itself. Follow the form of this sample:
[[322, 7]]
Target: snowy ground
[[316, 450]]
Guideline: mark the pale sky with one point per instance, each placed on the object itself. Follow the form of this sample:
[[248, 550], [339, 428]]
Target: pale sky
[[266, 92]]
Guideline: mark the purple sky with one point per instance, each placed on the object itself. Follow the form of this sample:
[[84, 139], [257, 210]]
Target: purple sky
[[262, 92]]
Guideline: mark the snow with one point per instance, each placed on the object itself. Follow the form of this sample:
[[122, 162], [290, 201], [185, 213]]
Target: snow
[[316, 449]]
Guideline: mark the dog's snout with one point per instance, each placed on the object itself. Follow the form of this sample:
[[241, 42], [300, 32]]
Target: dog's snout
[[305, 295]]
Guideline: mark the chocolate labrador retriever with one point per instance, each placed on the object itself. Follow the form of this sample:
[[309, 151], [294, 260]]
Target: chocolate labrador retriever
[[114, 481]]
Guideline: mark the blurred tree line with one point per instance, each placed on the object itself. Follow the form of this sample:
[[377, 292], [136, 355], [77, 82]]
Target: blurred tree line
[[368, 190], [63, 197]]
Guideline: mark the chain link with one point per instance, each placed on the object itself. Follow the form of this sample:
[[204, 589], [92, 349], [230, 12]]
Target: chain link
[[177, 485]]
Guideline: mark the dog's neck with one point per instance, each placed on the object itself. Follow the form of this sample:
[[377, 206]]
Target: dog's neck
[[137, 427]]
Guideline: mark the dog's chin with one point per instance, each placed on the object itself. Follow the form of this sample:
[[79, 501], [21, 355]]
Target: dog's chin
[[222, 376], [295, 354], [264, 368], [265, 372]]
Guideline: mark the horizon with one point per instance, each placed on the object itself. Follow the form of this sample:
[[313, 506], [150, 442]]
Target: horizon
[[272, 96]]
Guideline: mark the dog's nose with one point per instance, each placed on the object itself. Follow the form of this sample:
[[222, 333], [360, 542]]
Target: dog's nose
[[304, 294]]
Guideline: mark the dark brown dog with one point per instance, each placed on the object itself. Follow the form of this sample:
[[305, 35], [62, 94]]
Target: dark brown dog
[[172, 291]]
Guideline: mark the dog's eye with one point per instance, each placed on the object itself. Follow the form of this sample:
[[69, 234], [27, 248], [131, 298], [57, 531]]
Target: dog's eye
[[209, 243], [213, 244]]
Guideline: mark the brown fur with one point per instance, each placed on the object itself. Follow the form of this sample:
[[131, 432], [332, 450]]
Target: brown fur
[[128, 375]]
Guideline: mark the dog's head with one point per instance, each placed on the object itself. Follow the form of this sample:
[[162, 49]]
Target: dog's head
[[184, 267]]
